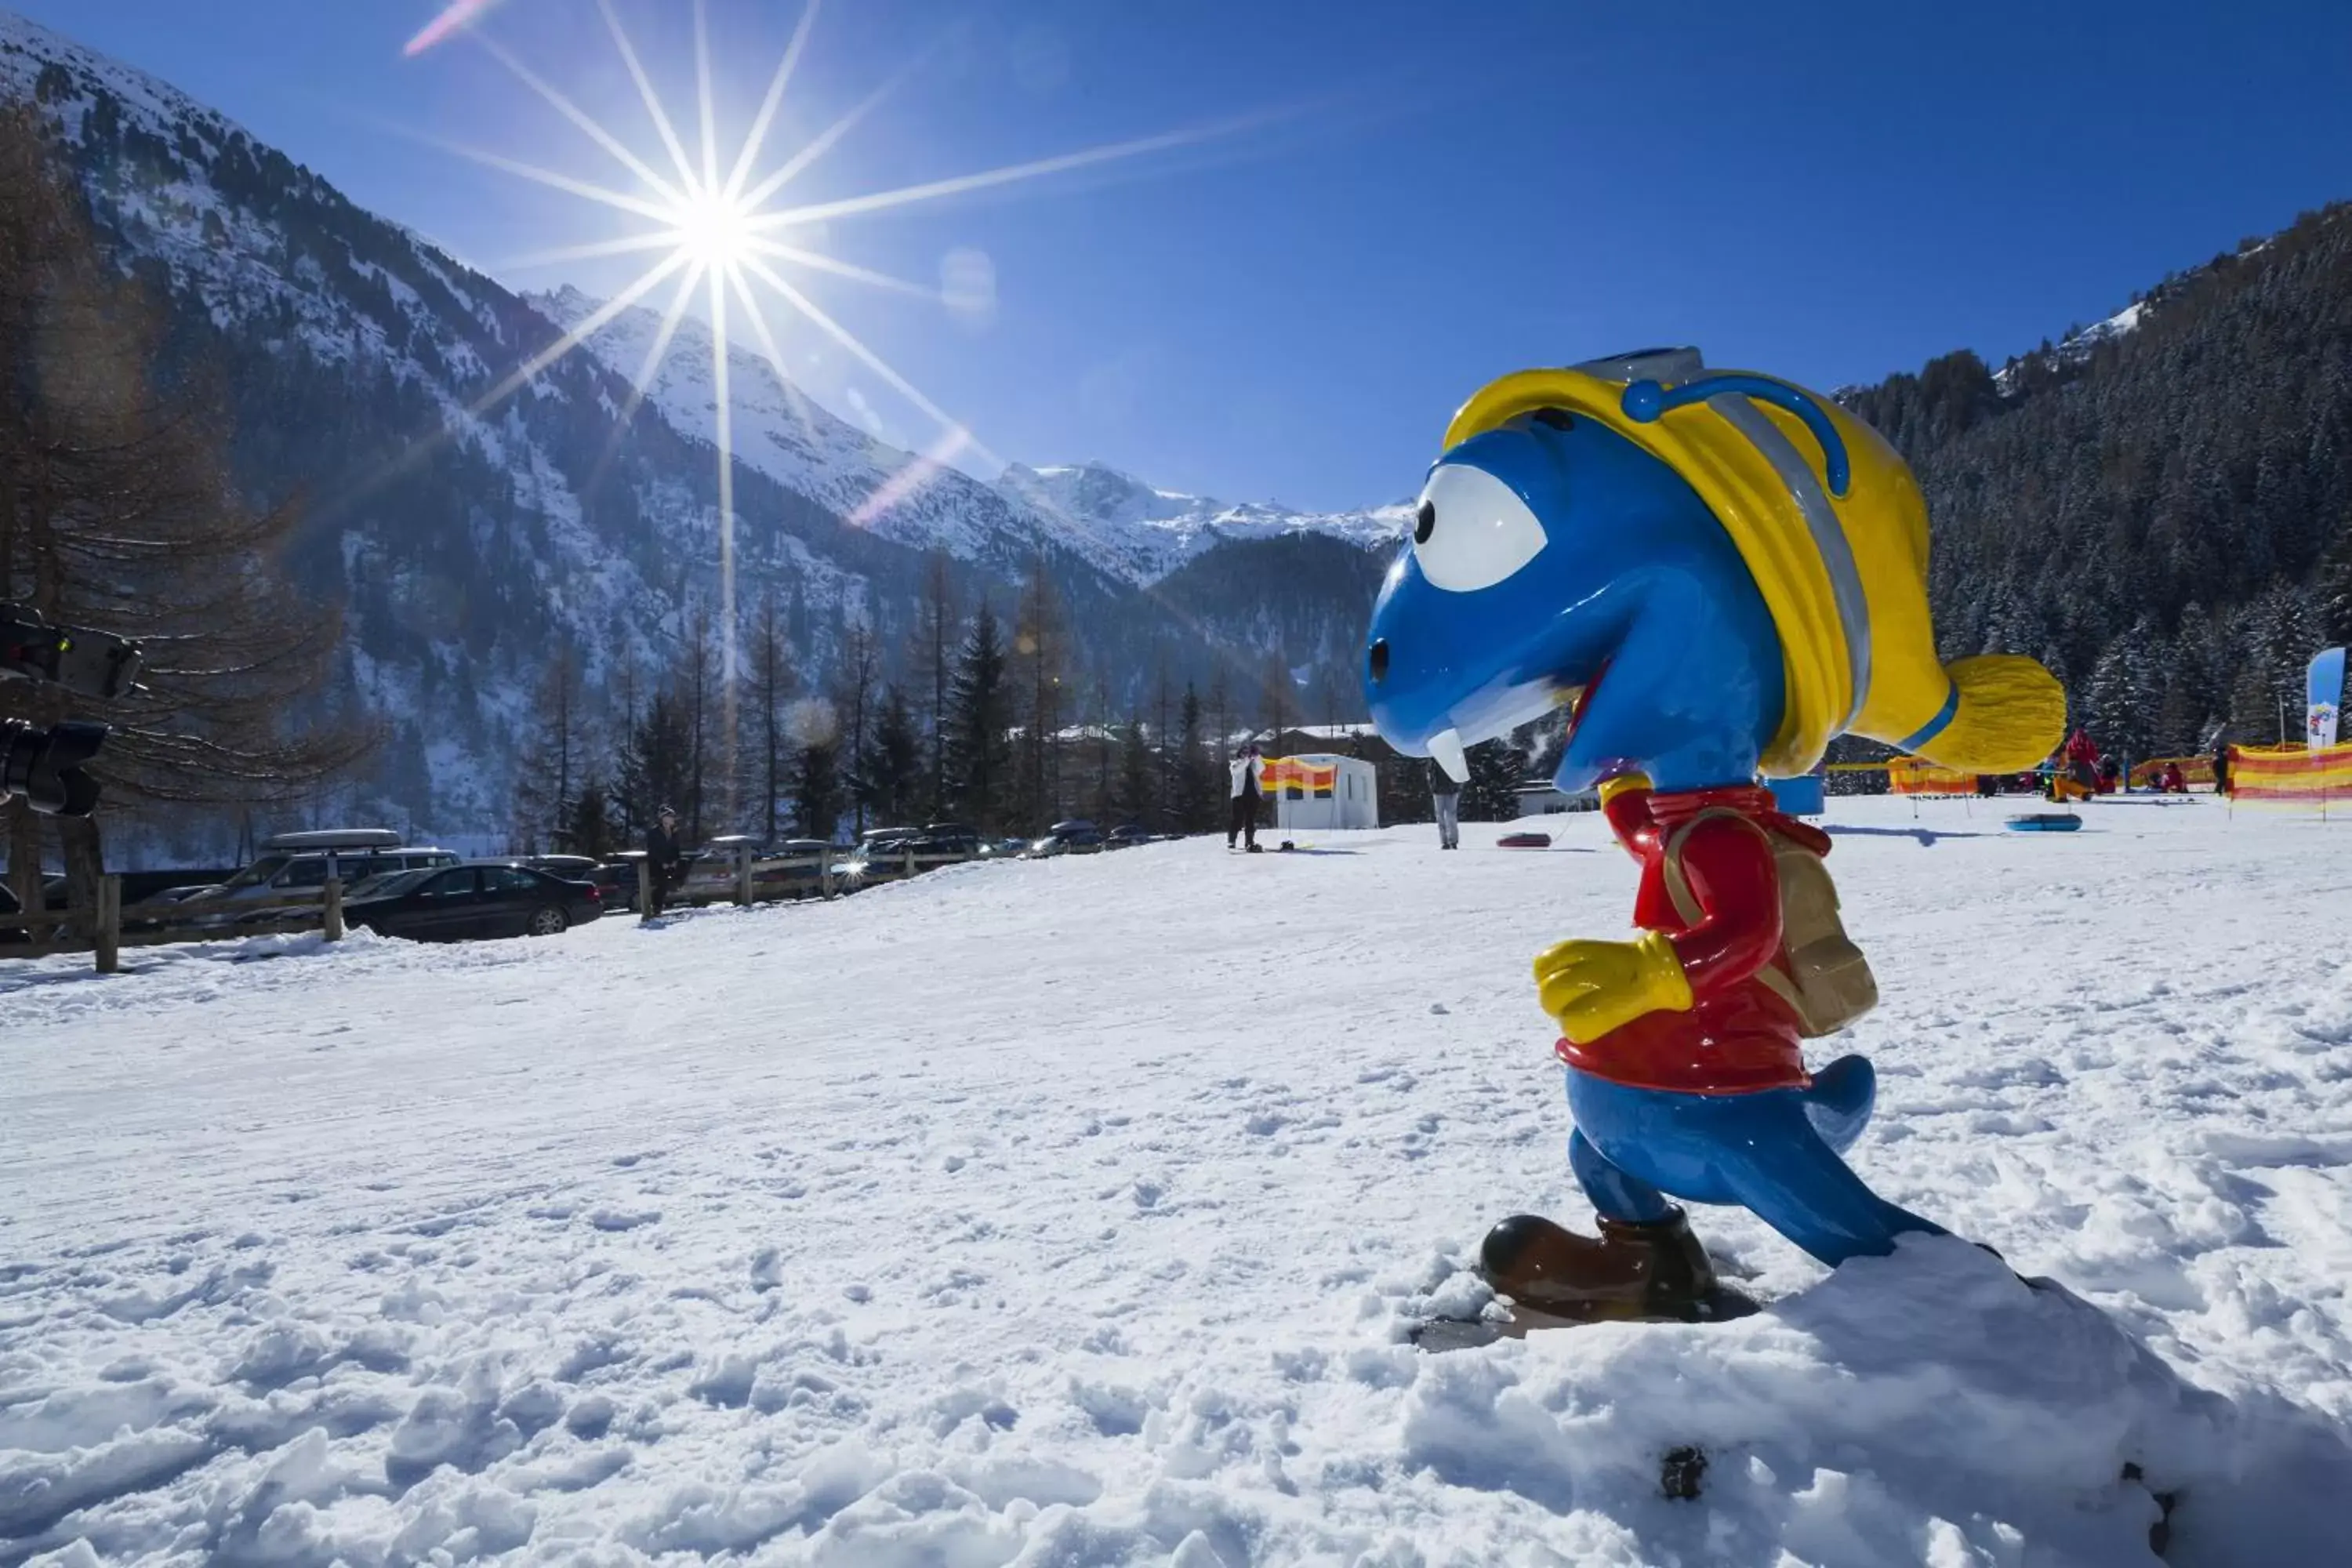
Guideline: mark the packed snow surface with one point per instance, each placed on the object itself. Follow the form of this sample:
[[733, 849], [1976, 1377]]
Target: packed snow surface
[[1072, 1212]]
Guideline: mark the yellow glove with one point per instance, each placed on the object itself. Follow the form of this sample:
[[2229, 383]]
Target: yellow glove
[[1618, 783], [1592, 988]]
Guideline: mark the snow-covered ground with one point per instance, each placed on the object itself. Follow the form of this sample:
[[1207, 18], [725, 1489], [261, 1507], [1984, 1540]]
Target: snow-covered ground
[[1070, 1212]]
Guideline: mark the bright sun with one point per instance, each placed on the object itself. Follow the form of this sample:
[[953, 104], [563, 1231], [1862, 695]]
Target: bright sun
[[713, 229], [718, 233]]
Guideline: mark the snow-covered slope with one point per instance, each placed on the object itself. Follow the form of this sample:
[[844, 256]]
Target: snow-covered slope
[[1115, 522], [780, 430], [2077, 346], [930, 1228]]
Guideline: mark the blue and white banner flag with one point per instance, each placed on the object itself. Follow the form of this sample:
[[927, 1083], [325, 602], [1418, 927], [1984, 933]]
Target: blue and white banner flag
[[2326, 687]]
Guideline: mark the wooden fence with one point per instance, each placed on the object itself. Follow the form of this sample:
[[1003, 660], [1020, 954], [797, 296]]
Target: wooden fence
[[745, 878], [110, 927]]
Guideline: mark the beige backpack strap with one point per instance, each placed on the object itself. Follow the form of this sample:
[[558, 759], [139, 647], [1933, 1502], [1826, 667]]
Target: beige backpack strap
[[1678, 892]]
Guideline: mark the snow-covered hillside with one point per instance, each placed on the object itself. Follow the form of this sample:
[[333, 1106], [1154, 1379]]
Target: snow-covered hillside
[[1119, 523], [1048, 1213], [784, 433], [2077, 346]]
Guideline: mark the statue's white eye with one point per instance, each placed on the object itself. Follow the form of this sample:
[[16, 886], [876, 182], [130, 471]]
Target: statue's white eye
[[1472, 530]]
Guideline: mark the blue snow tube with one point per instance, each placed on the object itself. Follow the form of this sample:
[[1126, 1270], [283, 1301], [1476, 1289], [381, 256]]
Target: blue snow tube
[[2046, 822]]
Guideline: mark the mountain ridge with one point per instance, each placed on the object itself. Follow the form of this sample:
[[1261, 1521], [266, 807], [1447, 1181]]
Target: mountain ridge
[[471, 534]]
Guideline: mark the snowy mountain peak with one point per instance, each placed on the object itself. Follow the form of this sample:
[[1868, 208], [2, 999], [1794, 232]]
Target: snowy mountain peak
[[1170, 527], [1116, 521], [2079, 345], [60, 71]]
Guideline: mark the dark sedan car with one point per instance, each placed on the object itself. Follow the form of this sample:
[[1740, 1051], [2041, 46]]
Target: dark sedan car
[[1069, 838], [458, 902]]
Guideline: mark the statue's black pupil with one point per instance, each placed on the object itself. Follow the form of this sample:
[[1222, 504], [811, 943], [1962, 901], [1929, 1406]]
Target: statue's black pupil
[[1424, 522]]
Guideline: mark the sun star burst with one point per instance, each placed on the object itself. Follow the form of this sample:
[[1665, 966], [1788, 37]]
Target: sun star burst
[[720, 233]]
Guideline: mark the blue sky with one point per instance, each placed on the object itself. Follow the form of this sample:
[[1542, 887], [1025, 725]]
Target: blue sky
[[1829, 192]]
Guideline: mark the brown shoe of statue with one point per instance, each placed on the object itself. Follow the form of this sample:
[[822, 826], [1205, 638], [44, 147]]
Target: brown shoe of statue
[[1651, 1271]]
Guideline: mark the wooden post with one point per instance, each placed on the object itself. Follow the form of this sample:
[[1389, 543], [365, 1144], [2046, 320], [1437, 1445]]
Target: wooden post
[[824, 871], [743, 874], [330, 905], [107, 939], [911, 858], [646, 888]]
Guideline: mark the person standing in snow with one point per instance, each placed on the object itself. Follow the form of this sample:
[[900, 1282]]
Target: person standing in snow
[[1447, 797], [1243, 821], [662, 856]]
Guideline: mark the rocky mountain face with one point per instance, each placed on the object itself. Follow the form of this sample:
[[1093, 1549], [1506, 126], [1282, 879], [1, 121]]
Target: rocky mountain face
[[473, 519]]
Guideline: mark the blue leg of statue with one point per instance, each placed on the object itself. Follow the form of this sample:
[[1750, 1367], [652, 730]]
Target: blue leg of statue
[[1615, 1195], [1774, 1152]]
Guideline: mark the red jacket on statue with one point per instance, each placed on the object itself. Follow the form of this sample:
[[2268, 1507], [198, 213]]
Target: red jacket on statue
[[1738, 1037]]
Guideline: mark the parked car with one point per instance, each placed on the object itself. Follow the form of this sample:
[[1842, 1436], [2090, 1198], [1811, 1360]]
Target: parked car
[[1069, 838], [1126, 836], [616, 880], [798, 880], [709, 871], [570, 868], [293, 864], [481, 899], [952, 838]]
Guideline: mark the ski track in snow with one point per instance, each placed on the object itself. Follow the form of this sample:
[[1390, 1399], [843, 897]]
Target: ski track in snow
[[1071, 1211]]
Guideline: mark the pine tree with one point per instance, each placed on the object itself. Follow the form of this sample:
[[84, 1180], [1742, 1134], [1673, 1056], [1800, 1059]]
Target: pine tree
[[1039, 666], [1220, 714], [2334, 588], [894, 768], [588, 827], [1195, 786], [936, 643], [1098, 740], [656, 763], [1163, 785], [771, 690], [1488, 795], [700, 688], [817, 772], [1277, 698], [551, 762], [980, 750], [1135, 790], [859, 662]]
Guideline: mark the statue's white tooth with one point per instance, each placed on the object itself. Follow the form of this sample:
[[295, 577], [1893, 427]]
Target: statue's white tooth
[[1446, 748]]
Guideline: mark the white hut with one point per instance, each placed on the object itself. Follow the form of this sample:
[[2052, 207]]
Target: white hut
[[1320, 790]]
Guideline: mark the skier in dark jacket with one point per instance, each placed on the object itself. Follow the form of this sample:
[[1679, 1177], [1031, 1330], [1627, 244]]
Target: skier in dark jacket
[[663, 857], [1446, 795], [1247, 778]]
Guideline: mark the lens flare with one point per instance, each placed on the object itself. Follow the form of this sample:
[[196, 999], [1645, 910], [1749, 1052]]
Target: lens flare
[[719, 232]]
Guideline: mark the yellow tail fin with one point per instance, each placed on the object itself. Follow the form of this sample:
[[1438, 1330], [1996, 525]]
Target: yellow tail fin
[[2011, 714]]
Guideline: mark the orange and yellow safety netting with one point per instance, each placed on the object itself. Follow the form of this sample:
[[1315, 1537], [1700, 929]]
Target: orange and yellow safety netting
[[1283, 772], [2291, 775], [2193, 770], [1910, 775]]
